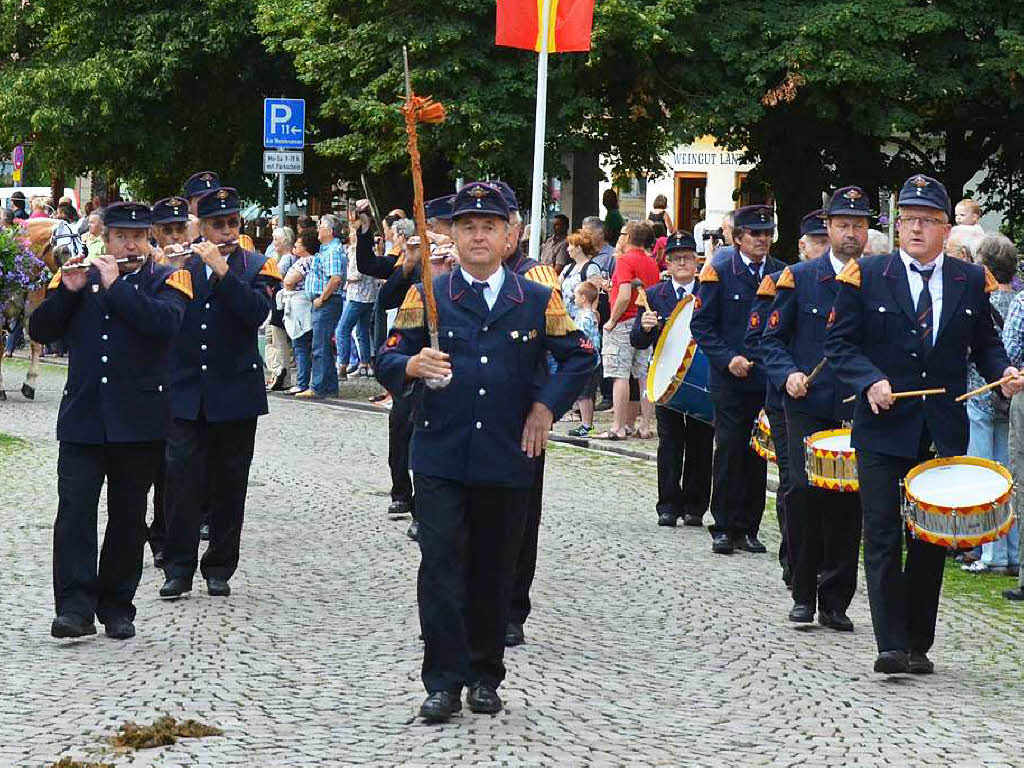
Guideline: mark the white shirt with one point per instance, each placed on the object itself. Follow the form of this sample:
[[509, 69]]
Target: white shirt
[[688, 287], [748, 261], [494, 283], [837, 265], [698, 234], [934, 286]]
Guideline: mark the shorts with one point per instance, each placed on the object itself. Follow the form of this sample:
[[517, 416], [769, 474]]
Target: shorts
[[621, 359]]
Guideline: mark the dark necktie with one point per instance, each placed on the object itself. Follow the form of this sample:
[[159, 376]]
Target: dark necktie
[[924, 306], [755, 270], [478, 289], [680, 292]]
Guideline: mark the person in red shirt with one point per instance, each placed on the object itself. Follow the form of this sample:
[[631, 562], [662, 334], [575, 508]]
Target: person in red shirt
[[621, 359]]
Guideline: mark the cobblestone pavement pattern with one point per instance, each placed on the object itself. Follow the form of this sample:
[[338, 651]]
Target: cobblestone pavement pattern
[[644, 648]]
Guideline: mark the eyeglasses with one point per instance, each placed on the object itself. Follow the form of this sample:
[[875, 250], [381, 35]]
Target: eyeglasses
[[924, 221]]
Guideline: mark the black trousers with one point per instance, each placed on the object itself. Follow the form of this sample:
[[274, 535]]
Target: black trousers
[[904, 597], [826, 525], [526, 558], [468, 539], [157, 531], [199, 452], [780, 439], [685, 445], [399, 435], [78, 586], [739, 476]]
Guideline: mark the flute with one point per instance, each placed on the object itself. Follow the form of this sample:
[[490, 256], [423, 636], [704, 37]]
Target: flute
[[86, 263], [188, 251]]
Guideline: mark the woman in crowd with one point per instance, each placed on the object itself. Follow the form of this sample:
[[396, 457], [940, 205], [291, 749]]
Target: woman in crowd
[[298, 307], [660, 213], [360, 295], [613, 220], [280, 358], [580, 267]]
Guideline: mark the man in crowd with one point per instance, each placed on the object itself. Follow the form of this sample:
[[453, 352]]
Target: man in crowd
[[554, 251], [903, 321], [728, 285], [475, 442], [325, 283], [18, 205], [118, 321], [963, 241], [621, 359], [824, 525], [684, 442], [605, 258], [218, 392]]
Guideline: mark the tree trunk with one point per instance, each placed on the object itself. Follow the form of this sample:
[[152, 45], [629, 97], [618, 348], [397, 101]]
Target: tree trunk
[[56, 188]]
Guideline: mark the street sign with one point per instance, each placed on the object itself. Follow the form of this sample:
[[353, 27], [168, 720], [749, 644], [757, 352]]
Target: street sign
[[282, 162], [19, 157], [284, 123]]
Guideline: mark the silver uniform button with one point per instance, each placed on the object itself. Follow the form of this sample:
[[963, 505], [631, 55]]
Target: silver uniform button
[[207, 306], [103, 380], [881, 309], [814, 311], [106, 317], [479, 425], [924, 374], [450, 334], [202, 367], [104, 337], [735, 297], [484, 328], [484, 359], [969, 312], [426, 423], [159, 387], [203, 347], [202, 327], [254, 366], [103, 359], [482, 392]]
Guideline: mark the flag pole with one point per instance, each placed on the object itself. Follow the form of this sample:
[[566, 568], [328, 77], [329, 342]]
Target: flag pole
[[538, 136]]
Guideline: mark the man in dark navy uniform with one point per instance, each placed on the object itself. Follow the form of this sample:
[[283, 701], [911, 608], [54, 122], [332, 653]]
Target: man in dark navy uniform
[[218, 392], [684, 442], [475, 442], [118, 318], [825, 525], [728, 284], [197, 185], [905, 321]]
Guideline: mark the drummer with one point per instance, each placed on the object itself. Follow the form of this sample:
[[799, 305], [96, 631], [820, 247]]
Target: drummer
[[825, 525], [684, 442], [903, 321]]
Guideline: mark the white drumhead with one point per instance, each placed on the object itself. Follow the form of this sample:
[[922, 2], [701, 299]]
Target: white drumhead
[[840, 443], [673, 350], [958, 485]]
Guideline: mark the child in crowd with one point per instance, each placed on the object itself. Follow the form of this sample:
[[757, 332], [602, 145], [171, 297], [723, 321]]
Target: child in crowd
[[585, 297]]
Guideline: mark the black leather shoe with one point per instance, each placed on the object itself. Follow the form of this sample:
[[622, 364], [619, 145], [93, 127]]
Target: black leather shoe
[[71, 625], [399, 508], [438, 707], [216, 587], [920, 664], [204, 532], [175, 587], [802, 613], [751, 544], [667, 519], [158, 559], [892, 662], [414, 531], [483, 699], [514, 635], [721, 544], [836, 620], [120, 629], [693, 521], [1017, 593]]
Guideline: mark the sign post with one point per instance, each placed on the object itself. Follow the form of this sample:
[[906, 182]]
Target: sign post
[[284, 127]]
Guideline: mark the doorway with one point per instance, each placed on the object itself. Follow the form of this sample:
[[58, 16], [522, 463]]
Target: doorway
[[691, 199]]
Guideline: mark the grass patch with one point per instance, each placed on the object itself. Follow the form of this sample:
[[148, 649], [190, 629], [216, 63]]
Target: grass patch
[[9, 443], [981, 589]]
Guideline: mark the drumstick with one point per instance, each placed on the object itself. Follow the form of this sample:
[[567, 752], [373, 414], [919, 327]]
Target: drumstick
[[911, 393], [814, 373], [641, 295], [986, 388]]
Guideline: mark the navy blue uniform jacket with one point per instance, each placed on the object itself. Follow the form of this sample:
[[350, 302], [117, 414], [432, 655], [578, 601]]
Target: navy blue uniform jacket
[[119, 354], [721, 315], [217, 364], [794, 338], [471, 430], [663, 300], [760, 310], [874, 336]]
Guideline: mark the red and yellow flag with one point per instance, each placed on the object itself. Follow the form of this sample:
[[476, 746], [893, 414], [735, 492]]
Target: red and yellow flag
[[571, 22]]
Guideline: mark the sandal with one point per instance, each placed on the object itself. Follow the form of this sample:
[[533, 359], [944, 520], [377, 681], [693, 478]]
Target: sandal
[[644, 435], [609, 435]]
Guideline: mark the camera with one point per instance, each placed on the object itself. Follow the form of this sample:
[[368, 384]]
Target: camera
[[717, 234], [391, 218]]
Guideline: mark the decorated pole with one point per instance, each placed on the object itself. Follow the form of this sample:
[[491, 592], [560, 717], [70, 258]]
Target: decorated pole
[[426, 110]]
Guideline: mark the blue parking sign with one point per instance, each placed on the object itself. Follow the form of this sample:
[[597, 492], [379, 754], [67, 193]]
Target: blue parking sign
[[284, 123]]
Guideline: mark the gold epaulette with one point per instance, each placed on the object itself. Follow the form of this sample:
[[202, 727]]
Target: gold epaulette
[[991, 284], [181, 280], [410, 314], [850, 274], [786, 279], [708, 273], [270, 269], [556, 320], [245, 241], [542, 274], [767, 287], [55, 282], [400, 261]]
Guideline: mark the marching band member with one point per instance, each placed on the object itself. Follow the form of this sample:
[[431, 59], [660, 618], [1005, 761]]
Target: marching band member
[[170, 229], [824, 525], [684, 442], [118, 318], [728, 285], [218, 393], [903, 320]]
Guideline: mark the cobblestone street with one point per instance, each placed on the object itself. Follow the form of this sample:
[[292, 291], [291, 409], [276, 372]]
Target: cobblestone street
[[643, 648]]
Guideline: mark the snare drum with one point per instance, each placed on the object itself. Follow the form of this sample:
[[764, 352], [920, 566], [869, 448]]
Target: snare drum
[[761, 438], [679, 374], [961, 501], [831, 462]]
